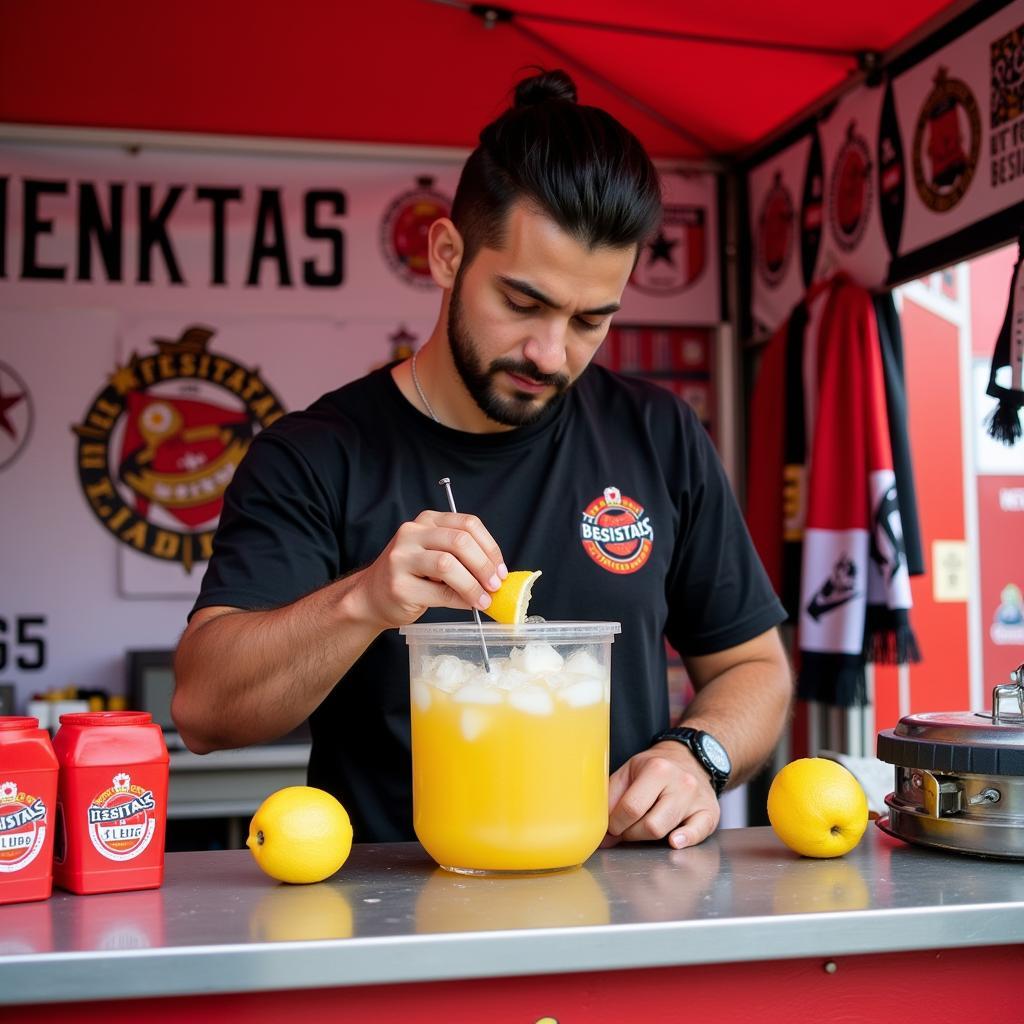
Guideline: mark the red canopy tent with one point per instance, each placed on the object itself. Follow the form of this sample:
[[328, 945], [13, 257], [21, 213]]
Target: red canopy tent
[[696, 80]]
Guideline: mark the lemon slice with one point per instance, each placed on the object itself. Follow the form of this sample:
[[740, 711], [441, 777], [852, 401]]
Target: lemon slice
[[509, 601]]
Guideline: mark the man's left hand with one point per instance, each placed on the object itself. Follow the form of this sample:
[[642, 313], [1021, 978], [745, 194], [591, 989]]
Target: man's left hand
[[662, 791]]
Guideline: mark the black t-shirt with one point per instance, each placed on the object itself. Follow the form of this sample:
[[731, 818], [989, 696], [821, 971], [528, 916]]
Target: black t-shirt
[[616, 494]]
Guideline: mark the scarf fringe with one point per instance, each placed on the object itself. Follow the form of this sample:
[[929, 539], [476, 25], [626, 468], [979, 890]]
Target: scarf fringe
[[831, 678], [1004, 423], [895, 645]]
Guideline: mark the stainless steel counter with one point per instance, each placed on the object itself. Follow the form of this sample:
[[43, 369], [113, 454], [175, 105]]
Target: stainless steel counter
[[389, 915]]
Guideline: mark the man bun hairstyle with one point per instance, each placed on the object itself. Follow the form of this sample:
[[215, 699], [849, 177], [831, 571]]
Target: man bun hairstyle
[[576, 164]]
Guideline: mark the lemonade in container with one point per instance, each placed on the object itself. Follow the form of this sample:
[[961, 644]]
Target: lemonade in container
[[510, 765]]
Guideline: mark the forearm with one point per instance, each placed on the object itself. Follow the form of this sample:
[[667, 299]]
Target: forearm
[[250, 676], [746, 708]]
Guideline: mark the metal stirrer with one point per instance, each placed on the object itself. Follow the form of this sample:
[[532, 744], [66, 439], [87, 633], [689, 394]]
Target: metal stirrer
[[446, 483]]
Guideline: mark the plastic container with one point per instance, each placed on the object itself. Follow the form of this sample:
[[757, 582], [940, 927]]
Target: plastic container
[[510, 769], [28, 799], [112, 802]]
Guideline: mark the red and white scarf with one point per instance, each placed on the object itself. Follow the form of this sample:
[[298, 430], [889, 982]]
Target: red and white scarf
[[835, 497], [855, 588]]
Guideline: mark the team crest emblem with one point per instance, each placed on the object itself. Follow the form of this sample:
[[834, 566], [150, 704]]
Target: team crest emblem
[[22, 828], [616, 532], [403, 231], [162, 440], [16, 415], [775, 233], [850, 193], [122, 819], [676, 256], [947, 143]]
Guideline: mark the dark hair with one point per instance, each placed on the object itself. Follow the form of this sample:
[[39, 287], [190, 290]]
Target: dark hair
[[577, 164]]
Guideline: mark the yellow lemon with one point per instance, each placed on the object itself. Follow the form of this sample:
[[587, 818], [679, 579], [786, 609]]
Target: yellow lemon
[[509, 601], [817, 807], [300, 834]]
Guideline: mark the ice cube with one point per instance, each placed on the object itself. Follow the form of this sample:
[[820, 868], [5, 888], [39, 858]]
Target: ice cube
[[534, 700], [421, 694], [583, 692], [448, 673], [472, 723], [583, 663], [478, 693], [510, 679], [536, 659]]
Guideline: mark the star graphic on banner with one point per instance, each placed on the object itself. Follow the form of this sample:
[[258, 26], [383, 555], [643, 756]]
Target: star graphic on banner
[[8, 402], [661, 249], [123, 380]]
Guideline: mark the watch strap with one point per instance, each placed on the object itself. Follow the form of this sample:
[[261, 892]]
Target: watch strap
[[690, 738]]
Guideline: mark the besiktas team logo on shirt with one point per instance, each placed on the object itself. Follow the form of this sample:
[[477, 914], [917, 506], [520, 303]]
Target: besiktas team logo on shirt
[[616, 532], [162, 440]]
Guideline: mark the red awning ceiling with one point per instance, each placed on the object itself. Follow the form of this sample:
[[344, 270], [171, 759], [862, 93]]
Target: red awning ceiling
[[428, 72]]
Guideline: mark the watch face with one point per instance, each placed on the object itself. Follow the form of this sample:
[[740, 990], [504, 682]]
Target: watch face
[[716, 754]]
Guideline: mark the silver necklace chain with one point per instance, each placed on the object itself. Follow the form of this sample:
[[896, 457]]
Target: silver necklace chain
[[419, 389]]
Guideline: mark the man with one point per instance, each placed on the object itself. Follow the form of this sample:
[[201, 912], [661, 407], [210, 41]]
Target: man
[[331, 534]]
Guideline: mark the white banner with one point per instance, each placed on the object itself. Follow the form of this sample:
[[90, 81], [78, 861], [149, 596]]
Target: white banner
[[157, 230], [962, 123], [900, 178], [159, 307]]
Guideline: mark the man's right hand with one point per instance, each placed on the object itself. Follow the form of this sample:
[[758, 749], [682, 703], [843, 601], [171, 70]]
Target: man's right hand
[[273, 668], [439, 560]]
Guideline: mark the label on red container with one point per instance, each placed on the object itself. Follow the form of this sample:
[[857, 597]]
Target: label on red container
[[122, 819], [22, 827]]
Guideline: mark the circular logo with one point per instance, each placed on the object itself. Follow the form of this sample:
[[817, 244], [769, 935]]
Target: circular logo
[[16, 415], [947, 143], [22, 827], [122, 819], [850, 191], [161, 442], [616, 533], [403, 231], [775, 233]]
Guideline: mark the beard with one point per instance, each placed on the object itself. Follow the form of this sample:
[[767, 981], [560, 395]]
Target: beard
[[519, 410]]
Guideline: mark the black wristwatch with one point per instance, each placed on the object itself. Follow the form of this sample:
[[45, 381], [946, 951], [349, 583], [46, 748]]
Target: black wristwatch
[[709, 752]]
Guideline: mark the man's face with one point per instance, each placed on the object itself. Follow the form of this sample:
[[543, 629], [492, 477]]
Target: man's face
[[524, 321]]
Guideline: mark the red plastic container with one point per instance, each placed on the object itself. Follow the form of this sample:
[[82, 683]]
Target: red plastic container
[[111, 802], [28, 797]]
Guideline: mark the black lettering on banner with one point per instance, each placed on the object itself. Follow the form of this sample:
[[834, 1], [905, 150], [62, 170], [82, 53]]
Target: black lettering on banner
[[219, 198], [153, 231], [269, 213], [109, 237], [34, 226], [23, 626], [335, 273], [3, 227], [36, 642]]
